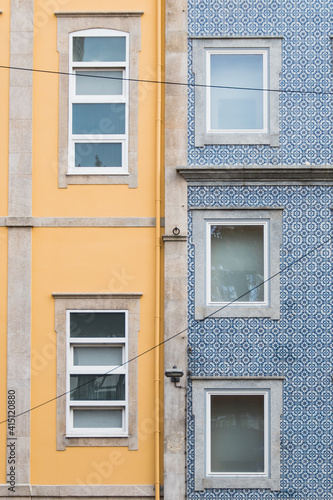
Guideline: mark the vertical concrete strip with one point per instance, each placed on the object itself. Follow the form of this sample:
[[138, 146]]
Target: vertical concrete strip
[[175, 311], [19, 238]]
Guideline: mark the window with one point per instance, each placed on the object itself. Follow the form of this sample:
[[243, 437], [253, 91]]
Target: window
[[98, 102], [229, 107], [98, 121], [240, 255], [96, 335], [239, 422], [237, 262], [231, 104], [97, 388]]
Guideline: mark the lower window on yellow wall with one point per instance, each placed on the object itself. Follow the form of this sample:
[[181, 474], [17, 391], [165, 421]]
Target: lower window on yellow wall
[[97, 379]]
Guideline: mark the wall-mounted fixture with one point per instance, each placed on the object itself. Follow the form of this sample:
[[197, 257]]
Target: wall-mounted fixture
[[174, 374], [176, 231]]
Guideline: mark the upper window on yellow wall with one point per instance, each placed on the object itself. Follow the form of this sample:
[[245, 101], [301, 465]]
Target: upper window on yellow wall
[[98, 110]]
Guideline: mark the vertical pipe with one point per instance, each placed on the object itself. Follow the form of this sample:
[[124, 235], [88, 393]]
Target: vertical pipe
[[157, 480]]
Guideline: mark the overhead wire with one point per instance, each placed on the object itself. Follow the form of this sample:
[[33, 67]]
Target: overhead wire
[[184, 84], [313, 249]]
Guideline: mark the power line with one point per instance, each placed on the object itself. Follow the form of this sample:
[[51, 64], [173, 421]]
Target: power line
[[313, 249], [182, 84]]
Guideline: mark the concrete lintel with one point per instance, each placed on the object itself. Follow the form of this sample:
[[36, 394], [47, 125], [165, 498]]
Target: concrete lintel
[[280, 175], [256, 37], [138, 13], [231, 209], [239, 378], [80, 296]]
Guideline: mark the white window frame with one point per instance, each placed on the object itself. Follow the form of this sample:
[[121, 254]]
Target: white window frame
[[265, 85], [202, 48], [96, 370], [202, 388], [266, 394], [238, 222], [75, 66]]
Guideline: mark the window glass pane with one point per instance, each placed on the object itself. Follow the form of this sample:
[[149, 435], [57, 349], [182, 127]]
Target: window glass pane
[[237, 263], [99, 118], [99, 82], [97, 387], [98, 356], [237, 433], [97, 324], [236, 109], [99, 48], [97, 154], [97, 418]]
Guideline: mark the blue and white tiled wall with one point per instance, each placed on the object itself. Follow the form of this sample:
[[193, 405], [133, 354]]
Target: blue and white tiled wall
[[306, 118], [299, 345]]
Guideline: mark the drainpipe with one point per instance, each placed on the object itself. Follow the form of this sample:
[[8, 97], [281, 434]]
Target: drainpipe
[[157, 432]]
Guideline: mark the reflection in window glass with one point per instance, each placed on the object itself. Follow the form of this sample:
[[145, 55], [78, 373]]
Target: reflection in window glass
[[97, 387], [97, 324], [233, 108], [99, 119], [90, 154], [99, 49], [237, 433], [105, 419], [99, 82], [101, 356], [237, 263]]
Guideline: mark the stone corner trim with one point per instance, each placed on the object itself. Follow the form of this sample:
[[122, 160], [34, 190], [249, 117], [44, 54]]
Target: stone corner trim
[[258, 175]]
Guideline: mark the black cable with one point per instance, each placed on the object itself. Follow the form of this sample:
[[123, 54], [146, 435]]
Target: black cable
[[176, 334], [194, 85]]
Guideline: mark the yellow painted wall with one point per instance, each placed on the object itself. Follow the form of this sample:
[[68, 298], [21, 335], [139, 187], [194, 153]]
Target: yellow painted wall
[[90, 260], [48, 200], [77, 261]]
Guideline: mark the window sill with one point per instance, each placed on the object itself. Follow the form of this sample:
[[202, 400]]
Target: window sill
[[234, 311], [126, 441], [242, 138], [102, 178]]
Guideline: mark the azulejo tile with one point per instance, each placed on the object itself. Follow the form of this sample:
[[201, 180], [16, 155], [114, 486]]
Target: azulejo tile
[[306, 67], [298, 346]]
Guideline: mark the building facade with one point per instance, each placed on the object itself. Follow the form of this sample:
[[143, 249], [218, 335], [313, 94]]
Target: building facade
[[80, 251], [252, 163]]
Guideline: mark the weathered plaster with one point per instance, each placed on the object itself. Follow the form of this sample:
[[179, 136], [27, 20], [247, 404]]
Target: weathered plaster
[[175, 291], [19, 239]]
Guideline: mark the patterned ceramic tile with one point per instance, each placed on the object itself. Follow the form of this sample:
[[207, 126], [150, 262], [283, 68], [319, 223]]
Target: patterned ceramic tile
[[298, 346], [306, 106]]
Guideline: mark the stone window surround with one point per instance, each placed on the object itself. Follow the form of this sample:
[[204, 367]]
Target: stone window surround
[[69, 22], [200, 387], [203, 215], [200, 45], [130, 302]]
